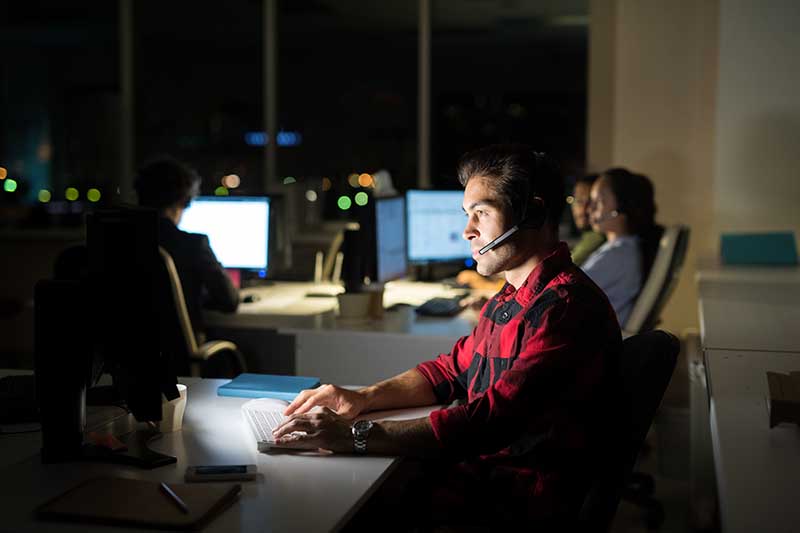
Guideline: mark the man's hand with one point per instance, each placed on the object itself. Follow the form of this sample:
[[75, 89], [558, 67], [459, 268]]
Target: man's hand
[[323, 429], [344, 402]]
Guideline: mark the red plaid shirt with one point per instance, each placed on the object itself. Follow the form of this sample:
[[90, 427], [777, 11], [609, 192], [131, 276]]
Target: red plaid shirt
[[535, 377]]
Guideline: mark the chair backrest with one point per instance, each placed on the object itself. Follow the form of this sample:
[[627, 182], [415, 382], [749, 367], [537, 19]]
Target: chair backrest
[[661, 281], [646, 367], [184, 322]]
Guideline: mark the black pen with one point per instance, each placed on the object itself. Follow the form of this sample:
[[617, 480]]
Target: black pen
[[174, 497]]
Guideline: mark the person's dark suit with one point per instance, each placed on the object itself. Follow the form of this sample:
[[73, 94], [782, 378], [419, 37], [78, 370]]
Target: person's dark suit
[[205, 283]]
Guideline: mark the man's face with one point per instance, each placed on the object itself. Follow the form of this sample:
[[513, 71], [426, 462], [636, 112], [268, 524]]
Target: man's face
[[486, 220], [580, 205]]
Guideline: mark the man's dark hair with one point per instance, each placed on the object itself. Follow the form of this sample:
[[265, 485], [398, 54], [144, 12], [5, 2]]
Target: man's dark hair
[[517, 174], [165, 182]]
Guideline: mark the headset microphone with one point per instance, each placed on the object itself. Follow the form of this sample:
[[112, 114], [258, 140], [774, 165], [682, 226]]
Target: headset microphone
[[607, 216], [533, 219], [498, 241]]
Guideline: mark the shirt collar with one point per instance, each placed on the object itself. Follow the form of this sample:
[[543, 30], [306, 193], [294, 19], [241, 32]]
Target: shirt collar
[[537, 280]]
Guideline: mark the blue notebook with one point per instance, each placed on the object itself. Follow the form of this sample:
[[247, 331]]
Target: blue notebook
[[771, 248], [267, 386]]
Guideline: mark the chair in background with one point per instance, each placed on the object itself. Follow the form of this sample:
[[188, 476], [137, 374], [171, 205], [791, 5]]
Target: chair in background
[[646, 367], [198, 355], [660, 281]]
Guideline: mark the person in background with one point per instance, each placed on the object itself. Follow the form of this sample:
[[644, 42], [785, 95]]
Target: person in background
[[168, 186], [535, 377], [622, 207], [590, 240]]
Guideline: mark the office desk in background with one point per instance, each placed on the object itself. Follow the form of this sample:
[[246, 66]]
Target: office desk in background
[[750, 308], [757, 468], [293, 492], [341, 350]]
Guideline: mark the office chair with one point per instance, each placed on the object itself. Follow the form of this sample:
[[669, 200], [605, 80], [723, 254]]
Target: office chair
[[646, 367], [661, 281], [198, 354]]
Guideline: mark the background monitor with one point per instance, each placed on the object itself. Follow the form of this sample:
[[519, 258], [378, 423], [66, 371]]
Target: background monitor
[[390, 238], [237, 228], [435, 221]]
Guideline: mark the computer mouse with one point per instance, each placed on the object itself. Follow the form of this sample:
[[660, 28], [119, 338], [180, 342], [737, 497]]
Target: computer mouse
[[251, 298]]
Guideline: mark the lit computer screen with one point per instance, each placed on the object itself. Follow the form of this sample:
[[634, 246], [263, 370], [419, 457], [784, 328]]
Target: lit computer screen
[[237, 228], [390, 238], [435, 222]]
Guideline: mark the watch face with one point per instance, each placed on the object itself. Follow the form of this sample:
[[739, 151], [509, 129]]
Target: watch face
[[363, 425]]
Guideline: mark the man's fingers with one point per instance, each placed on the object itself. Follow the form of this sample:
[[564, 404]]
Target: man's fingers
[[296, 423], [299, 441], [299, 400]]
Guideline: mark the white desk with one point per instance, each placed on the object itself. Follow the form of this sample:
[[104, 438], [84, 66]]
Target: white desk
[[750, 308], [757, 468], [349, 350], [293, 492]]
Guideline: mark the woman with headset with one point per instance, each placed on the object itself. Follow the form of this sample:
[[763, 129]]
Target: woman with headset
[[622, 208]]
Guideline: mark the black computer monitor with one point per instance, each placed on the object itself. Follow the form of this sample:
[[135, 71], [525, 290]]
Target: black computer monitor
[[237, 229], [116, 319], [390, 239], [435, 222]]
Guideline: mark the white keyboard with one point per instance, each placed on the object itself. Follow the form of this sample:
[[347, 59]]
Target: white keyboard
[[262, 416], [261, 424]]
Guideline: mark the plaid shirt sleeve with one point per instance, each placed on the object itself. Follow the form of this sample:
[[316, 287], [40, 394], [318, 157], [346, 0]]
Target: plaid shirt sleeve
[[447, 373], [559, 365]]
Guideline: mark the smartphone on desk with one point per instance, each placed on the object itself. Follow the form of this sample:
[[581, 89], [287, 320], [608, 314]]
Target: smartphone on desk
[[220, 473]]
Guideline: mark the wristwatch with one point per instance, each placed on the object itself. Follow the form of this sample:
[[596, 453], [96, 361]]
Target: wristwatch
[[360, 433]]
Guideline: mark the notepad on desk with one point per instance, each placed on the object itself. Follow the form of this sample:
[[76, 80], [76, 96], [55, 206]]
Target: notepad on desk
[[140, 503], [267, 386]]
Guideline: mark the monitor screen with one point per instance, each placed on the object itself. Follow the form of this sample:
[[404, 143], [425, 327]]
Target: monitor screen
[[237, 228], [436, 223], [390, 238]]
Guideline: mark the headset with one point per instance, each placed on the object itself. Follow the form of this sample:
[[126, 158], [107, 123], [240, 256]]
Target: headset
[[534, 214], [608, 216]]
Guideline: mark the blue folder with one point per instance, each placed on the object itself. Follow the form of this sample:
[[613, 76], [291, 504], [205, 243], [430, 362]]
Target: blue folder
[[772, 248], [267, 386]]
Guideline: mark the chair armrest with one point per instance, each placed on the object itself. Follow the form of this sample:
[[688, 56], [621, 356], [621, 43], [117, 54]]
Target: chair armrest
[[211, 348]]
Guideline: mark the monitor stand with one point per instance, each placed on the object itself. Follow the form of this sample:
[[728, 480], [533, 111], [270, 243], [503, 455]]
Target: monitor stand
[[136, 453]]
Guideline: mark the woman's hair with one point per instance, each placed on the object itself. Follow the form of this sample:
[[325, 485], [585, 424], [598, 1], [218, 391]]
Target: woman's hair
[[517, 174], [636, 199], [165, 182]]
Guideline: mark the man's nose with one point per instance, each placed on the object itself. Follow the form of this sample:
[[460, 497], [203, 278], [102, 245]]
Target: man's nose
[[470, 230]]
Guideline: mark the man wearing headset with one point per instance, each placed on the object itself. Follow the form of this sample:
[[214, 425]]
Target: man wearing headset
[[533, 377]]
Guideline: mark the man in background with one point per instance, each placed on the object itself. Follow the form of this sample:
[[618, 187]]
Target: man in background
[[590, 240], [168, 186]]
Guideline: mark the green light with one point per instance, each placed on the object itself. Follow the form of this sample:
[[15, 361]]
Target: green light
[[221, 191], [10, 185], [44, 196], [361, 198], [93, 195], [289, 180], [344, 203], [71, 194]]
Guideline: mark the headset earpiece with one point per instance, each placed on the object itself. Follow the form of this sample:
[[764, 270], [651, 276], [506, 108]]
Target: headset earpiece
[[536, 214]]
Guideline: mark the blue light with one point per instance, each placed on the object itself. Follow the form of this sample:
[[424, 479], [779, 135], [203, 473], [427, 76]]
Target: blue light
[[285, 138], [255, 138], [469, 262], [262, 274]]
